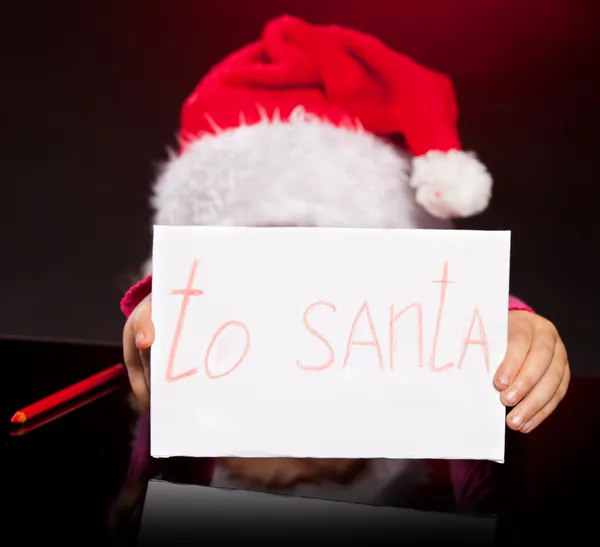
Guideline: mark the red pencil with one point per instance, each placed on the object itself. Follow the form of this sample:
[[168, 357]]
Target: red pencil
[[68, 394], [50, 416]]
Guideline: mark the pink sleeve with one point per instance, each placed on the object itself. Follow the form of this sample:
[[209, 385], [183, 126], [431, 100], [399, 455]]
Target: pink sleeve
[[514, 304], [135, 295]]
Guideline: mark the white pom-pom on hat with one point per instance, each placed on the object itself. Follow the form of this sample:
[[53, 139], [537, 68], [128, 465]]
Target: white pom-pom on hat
[[451, 184]]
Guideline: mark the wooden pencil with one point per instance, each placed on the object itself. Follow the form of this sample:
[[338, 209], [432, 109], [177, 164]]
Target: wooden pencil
[[66, 395], [50, 416]]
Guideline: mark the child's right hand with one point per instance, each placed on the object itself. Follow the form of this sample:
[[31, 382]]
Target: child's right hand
[[138, 336]]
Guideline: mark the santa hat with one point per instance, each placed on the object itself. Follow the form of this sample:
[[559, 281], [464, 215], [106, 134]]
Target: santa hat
[[337, 80]]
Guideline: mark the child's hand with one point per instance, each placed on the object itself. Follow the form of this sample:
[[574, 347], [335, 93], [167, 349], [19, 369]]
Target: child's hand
[[138, 336], [535, 374], [287, 472]]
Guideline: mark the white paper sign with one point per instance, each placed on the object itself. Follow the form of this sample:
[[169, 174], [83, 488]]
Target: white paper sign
[[312, 342]]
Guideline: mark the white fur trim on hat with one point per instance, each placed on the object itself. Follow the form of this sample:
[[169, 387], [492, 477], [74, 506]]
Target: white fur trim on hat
[[451, 184], [295, 172]]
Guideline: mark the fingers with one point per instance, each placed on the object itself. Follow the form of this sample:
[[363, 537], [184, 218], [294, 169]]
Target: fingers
[[138, 336], [135, 368], [534, 375], [520, 335], [141, 322], [538, 359], [541, 401], [534, 368], [542, 414]]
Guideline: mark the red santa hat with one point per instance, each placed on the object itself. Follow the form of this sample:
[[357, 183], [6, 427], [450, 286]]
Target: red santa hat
[[344, 79]]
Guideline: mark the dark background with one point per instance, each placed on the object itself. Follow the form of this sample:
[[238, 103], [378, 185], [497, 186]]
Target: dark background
[[90, 95]]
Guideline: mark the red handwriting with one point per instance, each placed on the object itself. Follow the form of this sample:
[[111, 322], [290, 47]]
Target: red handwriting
[[363, 315], [481, 341], [187, 293], [215, 337], [393, 319], [316, 334], [438, 324], [373, 343], [365, 312]]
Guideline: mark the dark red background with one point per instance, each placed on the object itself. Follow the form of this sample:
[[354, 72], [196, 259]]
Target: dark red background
[[91, 92]]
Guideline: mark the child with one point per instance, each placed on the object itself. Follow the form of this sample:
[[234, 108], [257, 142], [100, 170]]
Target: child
[[304, 128]]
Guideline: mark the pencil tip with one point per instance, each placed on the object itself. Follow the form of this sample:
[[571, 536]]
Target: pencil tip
[[19, 418]]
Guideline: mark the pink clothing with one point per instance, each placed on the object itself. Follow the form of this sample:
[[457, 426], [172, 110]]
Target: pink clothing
[[470, 479], [135, 295]]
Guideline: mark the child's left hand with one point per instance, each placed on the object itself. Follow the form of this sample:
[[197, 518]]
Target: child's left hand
[[534, 375]]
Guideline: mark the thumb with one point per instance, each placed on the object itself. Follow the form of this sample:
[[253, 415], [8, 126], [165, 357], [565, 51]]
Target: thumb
[[141, 324]]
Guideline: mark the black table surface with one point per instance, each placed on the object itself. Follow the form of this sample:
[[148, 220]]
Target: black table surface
[[60, 479]]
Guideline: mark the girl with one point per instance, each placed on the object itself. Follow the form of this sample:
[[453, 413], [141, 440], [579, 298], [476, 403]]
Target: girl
[[324, 126]]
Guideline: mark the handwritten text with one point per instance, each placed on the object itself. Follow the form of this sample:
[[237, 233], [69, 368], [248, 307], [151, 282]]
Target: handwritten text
[[476, 335]]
